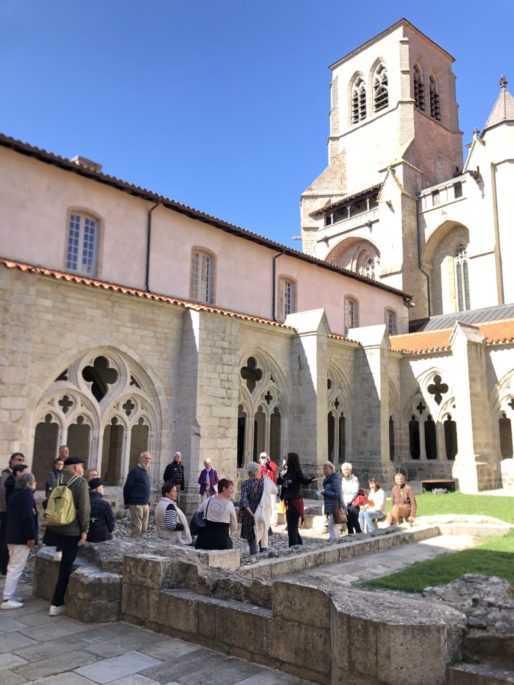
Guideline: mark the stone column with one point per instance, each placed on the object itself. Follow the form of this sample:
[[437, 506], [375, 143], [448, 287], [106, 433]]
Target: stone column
[[308, 407], [371, 407], [206, 397], [476, 466]]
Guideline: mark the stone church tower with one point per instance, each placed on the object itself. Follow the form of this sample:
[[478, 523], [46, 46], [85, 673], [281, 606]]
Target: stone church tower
[[393, 132]]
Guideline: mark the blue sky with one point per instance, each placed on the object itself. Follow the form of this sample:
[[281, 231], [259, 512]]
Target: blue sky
[[220, 104]]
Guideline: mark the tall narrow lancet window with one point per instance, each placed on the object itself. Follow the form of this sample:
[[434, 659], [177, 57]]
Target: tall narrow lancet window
[[430, 438], [450, 438], [391, 438], [419, 89], [462, 278], [505, 428], [380, 89], [358, 101], [414, 446], [435, 103]]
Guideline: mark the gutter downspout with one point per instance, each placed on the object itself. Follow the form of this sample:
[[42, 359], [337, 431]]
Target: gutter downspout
[[148, 244], [497, 250], [273, 286]]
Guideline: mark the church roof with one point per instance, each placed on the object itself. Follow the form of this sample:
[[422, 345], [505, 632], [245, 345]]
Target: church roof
[[503, 109], [93, 171], [428, 342], [472, 316]]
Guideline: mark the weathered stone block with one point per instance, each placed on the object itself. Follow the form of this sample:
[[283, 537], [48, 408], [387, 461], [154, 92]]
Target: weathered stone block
[[301, 646], [388, 640], [147, 570], [242, 624], [135, 601], [228, 559], [176, 608], [301, 603]]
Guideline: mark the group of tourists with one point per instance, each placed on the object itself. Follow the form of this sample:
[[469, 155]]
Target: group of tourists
[[76, 512]]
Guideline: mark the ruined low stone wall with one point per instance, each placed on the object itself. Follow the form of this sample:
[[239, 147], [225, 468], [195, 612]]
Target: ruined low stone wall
[[330, 637]]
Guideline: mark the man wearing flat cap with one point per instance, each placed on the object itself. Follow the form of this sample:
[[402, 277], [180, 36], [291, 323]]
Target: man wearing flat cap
[[73, 535]]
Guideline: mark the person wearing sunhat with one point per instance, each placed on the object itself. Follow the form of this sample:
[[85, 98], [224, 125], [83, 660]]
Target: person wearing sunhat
[[101, 522], [73, 535]]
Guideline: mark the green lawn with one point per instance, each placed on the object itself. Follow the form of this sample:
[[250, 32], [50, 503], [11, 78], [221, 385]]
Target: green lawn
[[493, 557], [457, 503]]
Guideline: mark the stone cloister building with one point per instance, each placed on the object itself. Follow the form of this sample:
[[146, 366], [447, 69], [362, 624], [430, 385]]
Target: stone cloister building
[[132, 322]]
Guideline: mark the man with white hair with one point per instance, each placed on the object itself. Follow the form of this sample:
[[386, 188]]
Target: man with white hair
[[136, 494], [208, 480], [350, 490]]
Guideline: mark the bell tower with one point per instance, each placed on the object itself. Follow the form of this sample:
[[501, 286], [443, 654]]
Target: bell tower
[[393, 131]]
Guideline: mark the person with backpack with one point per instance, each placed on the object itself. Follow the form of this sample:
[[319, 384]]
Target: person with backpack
[[101, 521], [67, 515]]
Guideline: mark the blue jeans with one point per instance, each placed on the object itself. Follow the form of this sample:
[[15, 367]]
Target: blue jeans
[[366, 519]]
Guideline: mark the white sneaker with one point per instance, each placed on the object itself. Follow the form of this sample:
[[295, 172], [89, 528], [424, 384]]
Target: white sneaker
[[11, 604], [56, 611], [57, 556]]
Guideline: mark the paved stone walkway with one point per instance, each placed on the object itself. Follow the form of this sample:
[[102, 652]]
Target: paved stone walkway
[[35, 648]]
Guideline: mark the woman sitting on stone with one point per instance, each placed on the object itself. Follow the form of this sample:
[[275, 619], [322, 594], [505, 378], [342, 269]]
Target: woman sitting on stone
[[221, 519], [101, 521], [251, 494], [374, 509], [170, 520], [332, 496], [403, 501]]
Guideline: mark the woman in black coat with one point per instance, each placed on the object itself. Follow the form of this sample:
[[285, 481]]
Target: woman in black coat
[[292, 481], [101, 522]]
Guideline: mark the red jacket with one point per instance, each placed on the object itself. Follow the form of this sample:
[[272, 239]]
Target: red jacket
[[270, 470]]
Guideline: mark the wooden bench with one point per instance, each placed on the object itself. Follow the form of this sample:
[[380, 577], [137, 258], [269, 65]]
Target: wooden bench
[[443, 483]]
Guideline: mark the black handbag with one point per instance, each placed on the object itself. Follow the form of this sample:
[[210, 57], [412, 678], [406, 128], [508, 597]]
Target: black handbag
[[198, 521]]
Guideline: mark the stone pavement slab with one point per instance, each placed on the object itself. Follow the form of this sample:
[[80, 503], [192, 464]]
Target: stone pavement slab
[[31, 651], [117, 667]]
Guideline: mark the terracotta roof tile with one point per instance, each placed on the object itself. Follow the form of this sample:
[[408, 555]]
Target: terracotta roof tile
[[494, 332], [134, 292]]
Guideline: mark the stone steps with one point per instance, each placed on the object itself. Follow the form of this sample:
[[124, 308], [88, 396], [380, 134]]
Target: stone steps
[[479, 674], [497, 650]]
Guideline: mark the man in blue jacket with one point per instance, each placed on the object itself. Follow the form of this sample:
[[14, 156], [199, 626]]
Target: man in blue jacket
[[136, 494], [21, 536]]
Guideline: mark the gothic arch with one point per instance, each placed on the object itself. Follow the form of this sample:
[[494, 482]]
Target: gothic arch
[[339, 415], [357, 254], [262, 407], [98, 386], [448, 274]]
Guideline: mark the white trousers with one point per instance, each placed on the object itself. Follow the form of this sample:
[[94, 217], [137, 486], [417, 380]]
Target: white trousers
[[18, 555], [333, 529]]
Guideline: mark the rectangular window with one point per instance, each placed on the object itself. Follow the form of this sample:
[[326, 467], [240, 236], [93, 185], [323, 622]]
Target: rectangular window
[[390, 322], [202, 277], [287, 304], [351, 314], [82, 244]]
